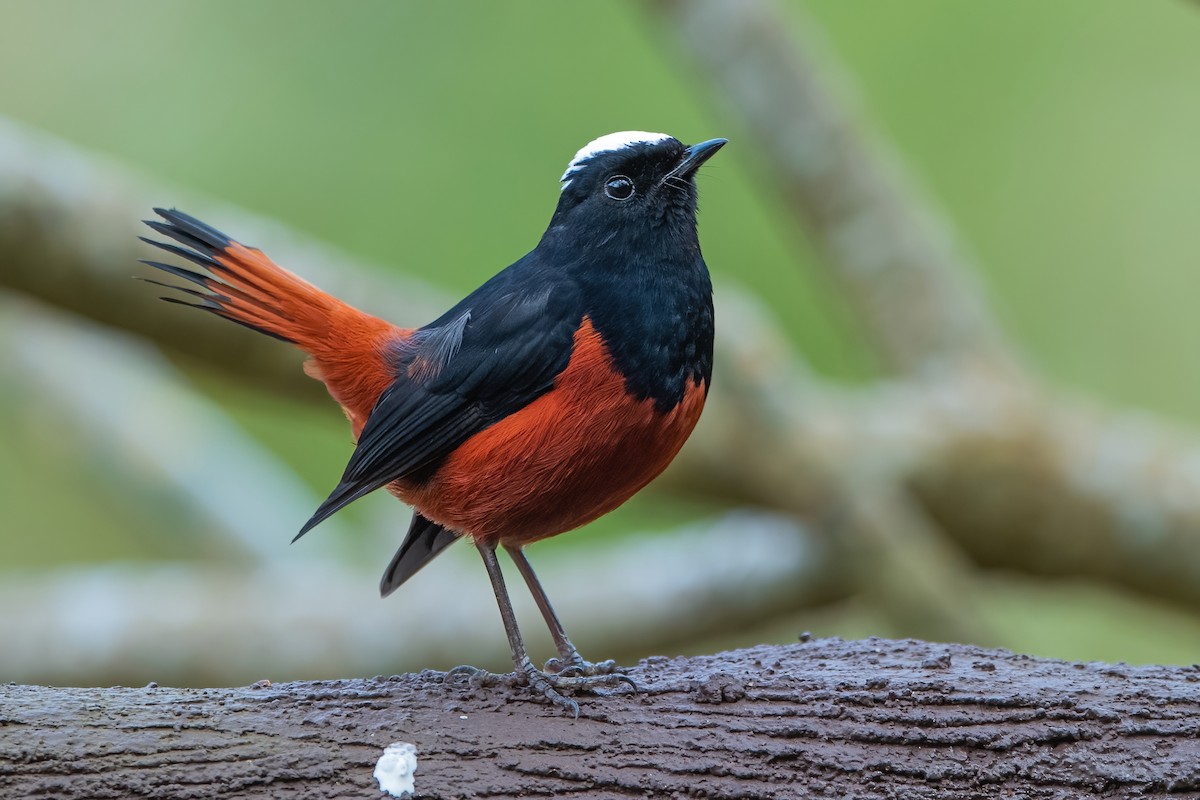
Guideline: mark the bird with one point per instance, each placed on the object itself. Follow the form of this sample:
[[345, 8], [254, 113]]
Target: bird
[[542, 400]]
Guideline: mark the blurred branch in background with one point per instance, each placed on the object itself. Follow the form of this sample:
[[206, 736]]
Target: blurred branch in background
[[1016, 477], [890, 253], [961, 459], [152, 434], [308, 617], [69, 223]]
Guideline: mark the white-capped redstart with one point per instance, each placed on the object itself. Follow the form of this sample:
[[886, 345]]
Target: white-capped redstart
[[544, 399]]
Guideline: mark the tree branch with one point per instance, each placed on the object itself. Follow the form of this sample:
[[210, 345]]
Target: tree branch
[[871, 719]]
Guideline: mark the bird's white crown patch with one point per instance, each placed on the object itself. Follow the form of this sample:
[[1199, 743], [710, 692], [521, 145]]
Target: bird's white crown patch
[[606, 144]]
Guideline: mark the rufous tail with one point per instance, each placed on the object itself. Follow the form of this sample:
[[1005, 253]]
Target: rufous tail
[[348, 347]]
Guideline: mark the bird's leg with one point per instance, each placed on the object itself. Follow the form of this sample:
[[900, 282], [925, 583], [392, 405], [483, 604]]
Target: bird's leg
[[537, 680], [569, 662], [545, 685]]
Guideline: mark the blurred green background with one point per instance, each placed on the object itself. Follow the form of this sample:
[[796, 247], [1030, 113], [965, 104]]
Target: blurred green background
[[1058, 138]]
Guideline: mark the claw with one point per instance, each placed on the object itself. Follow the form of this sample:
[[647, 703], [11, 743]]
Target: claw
[[555, 666], [621, 677]]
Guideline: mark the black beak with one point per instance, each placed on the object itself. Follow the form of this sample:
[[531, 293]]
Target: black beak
[[696, 155]]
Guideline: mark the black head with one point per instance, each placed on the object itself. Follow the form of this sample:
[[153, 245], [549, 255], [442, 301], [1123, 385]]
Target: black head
[[630, 184]]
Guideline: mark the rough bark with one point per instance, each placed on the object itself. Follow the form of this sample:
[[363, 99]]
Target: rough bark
[[869, 719]]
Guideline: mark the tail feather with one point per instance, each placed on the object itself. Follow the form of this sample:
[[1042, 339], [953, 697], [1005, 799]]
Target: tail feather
[[424, 541], [245, 286], [227, 290], [352, 353]]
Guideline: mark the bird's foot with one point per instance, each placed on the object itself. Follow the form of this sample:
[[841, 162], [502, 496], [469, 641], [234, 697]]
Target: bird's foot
[[549, 684], [573, 666]]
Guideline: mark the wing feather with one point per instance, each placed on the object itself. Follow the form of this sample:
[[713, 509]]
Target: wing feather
[[510, 345]]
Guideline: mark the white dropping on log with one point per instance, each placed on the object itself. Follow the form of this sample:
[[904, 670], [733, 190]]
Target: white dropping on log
[[394, 769]]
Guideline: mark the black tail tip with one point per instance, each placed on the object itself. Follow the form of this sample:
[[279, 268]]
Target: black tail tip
[[179, 222]]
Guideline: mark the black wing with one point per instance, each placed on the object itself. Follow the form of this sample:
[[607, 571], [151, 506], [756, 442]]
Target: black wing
[[517, 332], [425, 540]]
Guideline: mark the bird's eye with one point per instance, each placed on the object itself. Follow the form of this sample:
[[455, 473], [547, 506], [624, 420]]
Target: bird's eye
[[618, 187]]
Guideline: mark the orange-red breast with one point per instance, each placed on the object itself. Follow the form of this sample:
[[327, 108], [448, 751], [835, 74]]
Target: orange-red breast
[[544, 399]]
